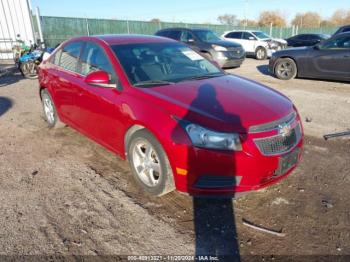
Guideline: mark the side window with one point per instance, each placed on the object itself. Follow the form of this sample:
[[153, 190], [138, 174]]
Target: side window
[[163, 33], [93, 59], [304, 37], [337, 43], [246, 36], [347, 29], [186, 37], [70, 56], [234, 35], [175, 35], [311, 37]]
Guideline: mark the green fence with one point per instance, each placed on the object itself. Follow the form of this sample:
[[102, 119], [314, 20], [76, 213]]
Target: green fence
[[57, 29]]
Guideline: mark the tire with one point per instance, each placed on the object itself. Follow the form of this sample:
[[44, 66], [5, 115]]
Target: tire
[[158, 180], [29, 70], [285, 69], [261, 53], [49, 110]]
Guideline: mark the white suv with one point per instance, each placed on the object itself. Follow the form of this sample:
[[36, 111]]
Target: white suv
[[255, 43]]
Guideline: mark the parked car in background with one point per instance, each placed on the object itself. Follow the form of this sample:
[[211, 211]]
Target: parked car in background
[[208, 44], [327, 60], [306, 39], [179, 120], [343, 29], [255, 43]]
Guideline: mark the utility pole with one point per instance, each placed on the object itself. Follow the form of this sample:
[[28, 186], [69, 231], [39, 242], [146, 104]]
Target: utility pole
[[245, 13]]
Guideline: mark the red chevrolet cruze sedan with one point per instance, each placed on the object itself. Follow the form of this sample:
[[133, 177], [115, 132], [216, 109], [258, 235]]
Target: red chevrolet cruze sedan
[[179, 120]]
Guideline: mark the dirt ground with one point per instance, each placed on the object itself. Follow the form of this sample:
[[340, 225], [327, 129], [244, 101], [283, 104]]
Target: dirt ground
[[62, 194]]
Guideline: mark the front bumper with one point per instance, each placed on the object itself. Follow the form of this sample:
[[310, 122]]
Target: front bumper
[[226, 173], [227, 59], [272, 63]]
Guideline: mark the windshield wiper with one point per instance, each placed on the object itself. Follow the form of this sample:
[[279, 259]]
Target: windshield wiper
[[153, 83], [203, 77]]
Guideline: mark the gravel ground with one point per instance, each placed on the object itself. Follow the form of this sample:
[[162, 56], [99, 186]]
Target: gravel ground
[[62, 194]]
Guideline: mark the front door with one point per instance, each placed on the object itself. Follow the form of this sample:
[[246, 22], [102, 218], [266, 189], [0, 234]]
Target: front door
[[332, 59], [100, 107], [249, 42]]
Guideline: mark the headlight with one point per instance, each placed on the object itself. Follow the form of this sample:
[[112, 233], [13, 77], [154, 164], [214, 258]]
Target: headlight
[[202, 137], [219, 48]]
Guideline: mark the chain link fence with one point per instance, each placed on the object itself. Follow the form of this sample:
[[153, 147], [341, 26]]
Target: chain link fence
[[58, 29]]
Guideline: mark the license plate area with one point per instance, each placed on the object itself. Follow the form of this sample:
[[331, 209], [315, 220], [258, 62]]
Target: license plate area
[[287, 162]]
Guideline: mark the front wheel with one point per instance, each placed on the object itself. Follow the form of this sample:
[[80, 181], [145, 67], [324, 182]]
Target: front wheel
[[149, 163], [50, 112], [260, 53], [285, 69], [29, 69]]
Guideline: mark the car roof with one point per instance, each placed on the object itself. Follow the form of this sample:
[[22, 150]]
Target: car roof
[[183, 28], [119, 39], [342, 34]]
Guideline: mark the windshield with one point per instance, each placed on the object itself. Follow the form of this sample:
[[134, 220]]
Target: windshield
[[150, 64], [261, 35], [206, 35]]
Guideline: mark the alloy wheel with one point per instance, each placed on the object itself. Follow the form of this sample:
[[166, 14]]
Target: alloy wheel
[[146, 163], [285, 69], [49, 109]]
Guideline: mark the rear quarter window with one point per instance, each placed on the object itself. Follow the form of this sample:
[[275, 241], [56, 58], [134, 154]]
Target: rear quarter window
[[234, 35]]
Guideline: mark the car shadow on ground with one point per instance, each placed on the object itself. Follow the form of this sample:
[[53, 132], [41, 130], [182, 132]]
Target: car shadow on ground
[[214, 218], [5, 105], [264, 69], [9, 78]]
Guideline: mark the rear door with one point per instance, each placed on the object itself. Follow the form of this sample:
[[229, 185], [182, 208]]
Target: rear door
[[332, 59], [65, 81], [100, 107]]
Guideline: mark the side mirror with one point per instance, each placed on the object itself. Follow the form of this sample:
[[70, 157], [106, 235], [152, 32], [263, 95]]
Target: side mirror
[[191, 40], [251, 38], [98, 78]]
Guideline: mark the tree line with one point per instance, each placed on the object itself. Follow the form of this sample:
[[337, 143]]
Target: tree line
[[278, 19]]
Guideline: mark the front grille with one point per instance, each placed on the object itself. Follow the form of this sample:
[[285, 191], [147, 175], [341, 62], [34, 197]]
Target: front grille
[[236, 52], [279, 144]]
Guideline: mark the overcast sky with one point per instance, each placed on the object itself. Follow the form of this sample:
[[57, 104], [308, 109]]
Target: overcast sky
[[196, 11]]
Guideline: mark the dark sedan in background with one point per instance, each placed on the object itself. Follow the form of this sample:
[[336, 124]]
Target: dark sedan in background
[[225, 53], [343, 29], [306, 39], [327, 60]]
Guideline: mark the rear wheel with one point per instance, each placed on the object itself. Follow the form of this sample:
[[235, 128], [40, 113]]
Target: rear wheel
[[149, 163], [260, 53], [285, 69]]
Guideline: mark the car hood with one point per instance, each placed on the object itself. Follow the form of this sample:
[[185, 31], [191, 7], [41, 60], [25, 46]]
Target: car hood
[[224, 43], [228, 103], [280, 40]]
